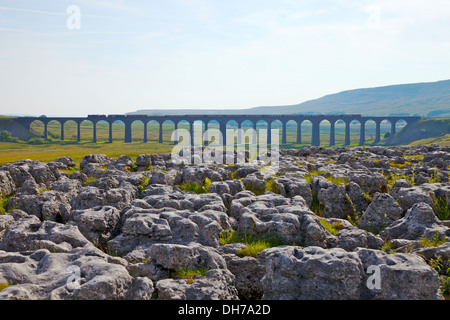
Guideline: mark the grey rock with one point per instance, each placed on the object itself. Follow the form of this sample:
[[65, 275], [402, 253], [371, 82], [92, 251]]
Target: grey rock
[[48, 205], [316, 273], [21, 171], [68, 161], [382, 211], [43, 275], [372, 183], [98, 224], [336, 202], [100, 159], [401, 183], [143, 160], [251, 182], [156, 189], [217, 284], [158, 178], [443, 253], [7, 185], [90, 197], [21, 235], [244, 171], [407, 197], [402, 276], [176, 256], [419, 222], [352, 238], [311, 273], [357, 197], [295, 186], [248, 273]]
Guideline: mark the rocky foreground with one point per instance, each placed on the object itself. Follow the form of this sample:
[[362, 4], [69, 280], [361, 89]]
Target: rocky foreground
[[349, 223]]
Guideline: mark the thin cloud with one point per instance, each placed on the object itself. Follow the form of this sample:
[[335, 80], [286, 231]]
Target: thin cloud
[[52, 13], [117, 5], [65, 33]]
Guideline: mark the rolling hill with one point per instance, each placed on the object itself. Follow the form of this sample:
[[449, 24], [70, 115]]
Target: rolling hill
[[430, 99]]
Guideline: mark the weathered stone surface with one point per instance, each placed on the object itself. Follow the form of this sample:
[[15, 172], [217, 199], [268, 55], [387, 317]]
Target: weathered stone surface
[[336, 202], [90, 197], [315, 273], [130, 227], [98, 224], [68, 161], [419, 222], [27, 232], [382, 211], [7, 185], [248, 272], [43, 275], [312, 273], [217, 284], [402, 276]]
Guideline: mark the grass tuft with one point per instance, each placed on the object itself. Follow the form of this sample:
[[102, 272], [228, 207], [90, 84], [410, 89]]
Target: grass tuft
[[436, 241], [255, 243], [4, 204], [337, 180], [188, 274], [196, 187], [4, 285], [332, 228], [442, 207], [253, 249]]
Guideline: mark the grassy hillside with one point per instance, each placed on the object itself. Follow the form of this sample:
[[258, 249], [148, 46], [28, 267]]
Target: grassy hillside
[[424, 99], [430, 99], [8, 124], [426, 131]]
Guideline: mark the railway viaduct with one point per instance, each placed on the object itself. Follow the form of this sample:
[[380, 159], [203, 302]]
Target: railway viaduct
[[223, 120]]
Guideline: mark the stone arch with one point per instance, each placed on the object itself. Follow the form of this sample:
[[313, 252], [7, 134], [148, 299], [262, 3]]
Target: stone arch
[[354, 131], [182, 125], [165, 129], [37, 127], [87, 130], [291, 131], [137, 130], [248, 134], [118, 130], [152, 130], [400, 124], [325, 132], [306, 131], [339, 130], [53, 129], [198, 128], [370, 131], [70, 130], [102, 129], [261, 127], [385, 127], [275, 125], [231, 132], [212, 125]]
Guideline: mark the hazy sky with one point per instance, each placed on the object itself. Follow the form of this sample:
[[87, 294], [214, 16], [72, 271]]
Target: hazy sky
[[120, 56]]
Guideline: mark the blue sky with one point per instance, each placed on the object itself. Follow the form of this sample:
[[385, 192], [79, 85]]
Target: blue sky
[[219, 54]]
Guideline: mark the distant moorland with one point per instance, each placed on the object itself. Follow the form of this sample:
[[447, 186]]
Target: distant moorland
[[430, 99]]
